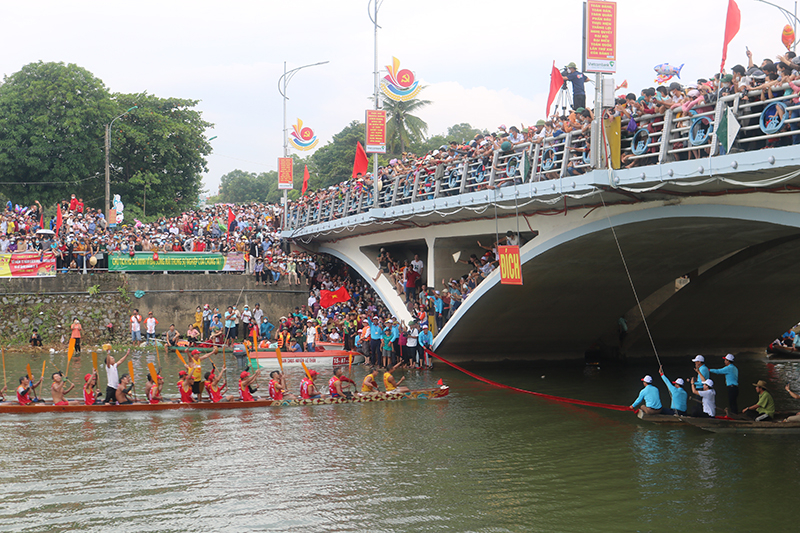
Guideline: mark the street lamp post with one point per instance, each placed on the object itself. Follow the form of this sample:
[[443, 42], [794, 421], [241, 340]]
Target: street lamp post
[[791, 18], [108, 167], [373, 16], [283, 81]]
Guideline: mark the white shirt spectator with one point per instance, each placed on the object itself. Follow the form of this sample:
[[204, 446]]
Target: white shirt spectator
[[417, 265], [150, 324]]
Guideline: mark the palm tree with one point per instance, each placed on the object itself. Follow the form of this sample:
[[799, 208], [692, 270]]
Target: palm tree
[[402, 127]]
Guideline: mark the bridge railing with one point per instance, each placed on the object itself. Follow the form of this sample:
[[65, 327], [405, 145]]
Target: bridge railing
[[652, 139]]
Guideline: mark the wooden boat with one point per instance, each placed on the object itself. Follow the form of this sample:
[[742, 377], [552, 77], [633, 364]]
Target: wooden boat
[[421, 394], [776, 351], [667, 420], [729, 425], [332, 355]]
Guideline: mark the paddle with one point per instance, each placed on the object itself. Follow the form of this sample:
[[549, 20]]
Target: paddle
[[133, 381], [70, 353], [306, 369], [153, 373], [5, 379], [43, 365], [94, 361], [280, 359], [255, 340], [181, 358], [30, 378]]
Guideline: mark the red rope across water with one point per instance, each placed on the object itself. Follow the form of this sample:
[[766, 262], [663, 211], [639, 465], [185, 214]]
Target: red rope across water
[[539, 394]]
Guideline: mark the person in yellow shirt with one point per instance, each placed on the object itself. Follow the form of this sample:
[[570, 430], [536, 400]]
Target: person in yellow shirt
[[389, 382], [369, 384]]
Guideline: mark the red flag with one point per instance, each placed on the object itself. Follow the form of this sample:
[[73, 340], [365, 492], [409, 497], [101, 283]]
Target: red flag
[[58, 218], [440, 382], [732, 23], [41, 220], [305, 181], [556, 82], [361, 163], [328, 298], [231, 218]]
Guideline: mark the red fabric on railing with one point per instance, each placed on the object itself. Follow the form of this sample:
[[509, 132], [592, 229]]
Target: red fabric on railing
[[539, 394]]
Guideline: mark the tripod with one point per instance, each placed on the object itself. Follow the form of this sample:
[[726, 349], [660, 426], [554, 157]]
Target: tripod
[[564, 98]]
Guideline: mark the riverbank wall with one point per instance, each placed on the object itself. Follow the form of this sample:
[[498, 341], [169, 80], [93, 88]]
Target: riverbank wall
[[100, 299]]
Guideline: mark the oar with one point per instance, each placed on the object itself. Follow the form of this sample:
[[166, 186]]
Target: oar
[[306, 369], [350, 367], [255, 340], [94, 361], [43, 365], [30, 378], [70, 353], [133, 381], [181, 358], [280, 359], [5, 379]]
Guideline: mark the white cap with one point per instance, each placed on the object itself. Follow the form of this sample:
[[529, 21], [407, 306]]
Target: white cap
[[679, 381], [647, 379], [699, 359], [709, 382], [425, 326], [729, 357]]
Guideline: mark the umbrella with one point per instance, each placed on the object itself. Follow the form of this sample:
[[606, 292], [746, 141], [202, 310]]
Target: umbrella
[[45, 232]]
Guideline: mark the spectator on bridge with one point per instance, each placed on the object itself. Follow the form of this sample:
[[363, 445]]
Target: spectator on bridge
[[578, 80]]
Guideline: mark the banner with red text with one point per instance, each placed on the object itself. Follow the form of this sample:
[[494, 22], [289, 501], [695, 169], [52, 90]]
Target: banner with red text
[[376, 131], [601, 36], [285, 178], [510, 265], [28, 265]]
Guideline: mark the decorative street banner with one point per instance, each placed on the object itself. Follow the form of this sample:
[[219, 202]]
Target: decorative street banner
[[510, 265], [177, 261], [28, 265], [285, 179], [376, 131], [303, 138], [399, 85], [601, 36]]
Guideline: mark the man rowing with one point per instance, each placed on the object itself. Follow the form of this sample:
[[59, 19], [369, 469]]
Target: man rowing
[[390, 384], [277, 386], [335, 384], [154, 389], [185, 386], [708, 396], [308, 390], [648, 399], [90, 392], [122, 393], [245, 381], [58, 392], [369, 384], [679, 395], [216, 389], [195, 367], [26, 385]]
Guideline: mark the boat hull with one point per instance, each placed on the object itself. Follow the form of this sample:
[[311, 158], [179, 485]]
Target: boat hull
[[727, 425], [422, 394], [779, 352], [327, 358], [667, 420]]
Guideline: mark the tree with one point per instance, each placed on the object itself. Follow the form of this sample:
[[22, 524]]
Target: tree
[[157, 153], [333, 163], [402, 127], [240, 187], [52, 118]]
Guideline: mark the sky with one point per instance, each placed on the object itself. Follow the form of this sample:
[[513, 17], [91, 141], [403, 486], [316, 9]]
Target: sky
[[483, 63]]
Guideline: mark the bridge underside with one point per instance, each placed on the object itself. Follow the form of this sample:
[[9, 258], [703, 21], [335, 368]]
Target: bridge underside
[[574, 293]]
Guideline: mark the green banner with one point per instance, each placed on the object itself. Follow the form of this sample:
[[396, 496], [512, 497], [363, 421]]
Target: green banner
[[175, 261]]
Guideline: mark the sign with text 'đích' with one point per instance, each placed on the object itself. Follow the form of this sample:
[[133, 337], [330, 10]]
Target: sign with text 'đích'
[[510, 265]]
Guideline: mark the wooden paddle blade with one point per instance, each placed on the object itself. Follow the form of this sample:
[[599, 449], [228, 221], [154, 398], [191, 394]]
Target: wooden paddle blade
[[350, 365], [181, 358], [30, 373], [94, 361], [306, 369], [280, 359], [130, 370], [70, 351], [43, 365], [153, 373]]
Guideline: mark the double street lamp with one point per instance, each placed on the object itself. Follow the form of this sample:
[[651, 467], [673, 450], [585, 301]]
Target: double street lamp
[[791, 18], [108, 167], [283, 81]]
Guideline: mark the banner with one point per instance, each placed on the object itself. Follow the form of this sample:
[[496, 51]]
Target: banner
[[399, 85], [376, 131], [510, 265], [177, 262], [303, 138], [601, 36], [285, 179], [28, 265]]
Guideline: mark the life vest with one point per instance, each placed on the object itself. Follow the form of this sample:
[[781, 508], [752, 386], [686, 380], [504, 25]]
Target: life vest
[[369, 384], [186, 396], [274, 392], [332, 386], [88, 396], [215, 394], [152, 394], [283, 339], [304, 389], [23, 399], [245, 393]]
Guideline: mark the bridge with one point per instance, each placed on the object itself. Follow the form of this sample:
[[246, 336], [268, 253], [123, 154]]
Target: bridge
[[711, 239]]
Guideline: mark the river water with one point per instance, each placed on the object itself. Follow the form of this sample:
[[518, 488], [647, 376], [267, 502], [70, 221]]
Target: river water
[[483, 459]]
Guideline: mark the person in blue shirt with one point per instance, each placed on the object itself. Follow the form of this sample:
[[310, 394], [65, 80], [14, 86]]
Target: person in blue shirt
[[578, 80], [395, 340], [701, 369], [425, 340], [375, 336], [679, 396], [731, 374], [648, 401], [438, 307]]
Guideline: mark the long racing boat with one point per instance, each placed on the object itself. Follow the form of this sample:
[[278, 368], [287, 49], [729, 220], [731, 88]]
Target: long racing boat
[[35, 408]]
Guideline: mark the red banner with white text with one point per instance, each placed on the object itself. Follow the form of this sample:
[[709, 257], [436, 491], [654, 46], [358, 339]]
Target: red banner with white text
[[27, 265]]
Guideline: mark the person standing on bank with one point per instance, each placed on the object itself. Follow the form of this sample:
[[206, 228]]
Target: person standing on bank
[[731, 374], [648, 398]]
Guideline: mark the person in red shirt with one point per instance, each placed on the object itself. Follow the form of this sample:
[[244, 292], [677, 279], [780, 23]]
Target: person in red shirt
[[335, 384], [277, 386], [245, 381], [308, 391], [73, 203], [185, 388], [154, 389], [90, 389], [215, 389], [24, 389], [79, 205]]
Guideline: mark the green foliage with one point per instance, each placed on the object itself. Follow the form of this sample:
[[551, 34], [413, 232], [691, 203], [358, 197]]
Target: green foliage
[[402, 127], [157, 153], [93, 290], [333, 163], [52, 119]]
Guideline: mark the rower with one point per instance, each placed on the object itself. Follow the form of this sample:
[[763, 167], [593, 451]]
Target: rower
[[335, 384], [215, 389], [702, 370], [122, 396], [245, 381], [389, 382], [277, 386], [195, 361], [24, 389], [731, 374], [90, 392], [649, 397], [679, 395], [186, 385], [369, 384], [112, 375], [308, 390], [3, 393], [57, 389], [709, 397], [154, 389], [793, 418], [764, 409]]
